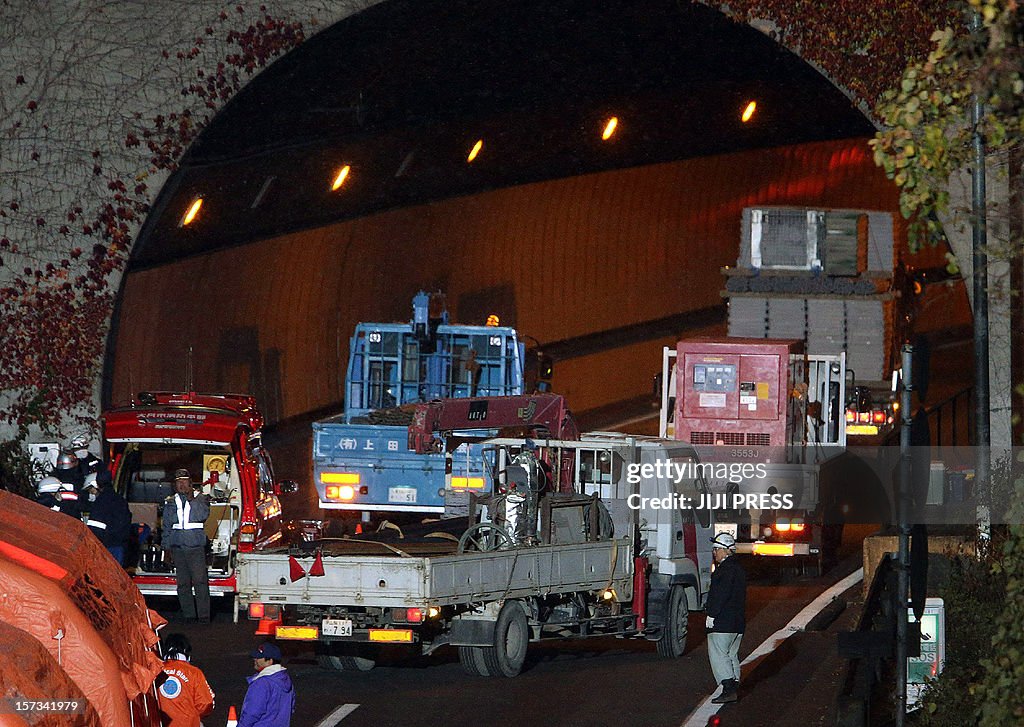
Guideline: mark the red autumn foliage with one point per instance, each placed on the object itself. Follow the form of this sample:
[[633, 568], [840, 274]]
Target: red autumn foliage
[[53, 327]]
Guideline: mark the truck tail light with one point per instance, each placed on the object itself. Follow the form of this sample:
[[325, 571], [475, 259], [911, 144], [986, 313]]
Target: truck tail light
[[851, 416], [782, 526], [797, 527], [864, 417], [470, 483], [339, 478], [784, 549], [260, 611], [878, 416], [247, 533], [340, 492], [409, 615]]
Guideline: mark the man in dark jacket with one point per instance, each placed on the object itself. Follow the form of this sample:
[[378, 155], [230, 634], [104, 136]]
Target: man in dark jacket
[[726, 617], [78, 442], [59, 497], [184, 538], [109, 517], [270, 699]]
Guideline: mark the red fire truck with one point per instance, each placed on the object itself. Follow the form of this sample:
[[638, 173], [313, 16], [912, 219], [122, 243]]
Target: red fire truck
[[217, 438]]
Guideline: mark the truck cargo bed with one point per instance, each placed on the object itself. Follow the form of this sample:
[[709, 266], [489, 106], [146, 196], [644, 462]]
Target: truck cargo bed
[[406, 579]]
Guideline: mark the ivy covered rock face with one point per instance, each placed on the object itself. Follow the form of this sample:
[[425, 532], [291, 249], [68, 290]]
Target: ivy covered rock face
[[89, 133]]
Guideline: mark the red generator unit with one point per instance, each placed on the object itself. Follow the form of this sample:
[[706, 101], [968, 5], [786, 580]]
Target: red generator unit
[[736, 392]]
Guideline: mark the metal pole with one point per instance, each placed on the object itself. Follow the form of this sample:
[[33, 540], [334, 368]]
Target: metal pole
[[979, 241], [902, 519]]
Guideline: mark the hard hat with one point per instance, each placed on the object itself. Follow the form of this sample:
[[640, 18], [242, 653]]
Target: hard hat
[[724, 540], [67, 461], [79, 439], [177, 644], [49, 485]]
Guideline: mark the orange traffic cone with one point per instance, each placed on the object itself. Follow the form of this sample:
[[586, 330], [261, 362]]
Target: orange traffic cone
[[232, 717], [267, 627]]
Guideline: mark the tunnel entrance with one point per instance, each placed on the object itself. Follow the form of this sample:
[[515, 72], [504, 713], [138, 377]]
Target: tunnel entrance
[[577, 235]]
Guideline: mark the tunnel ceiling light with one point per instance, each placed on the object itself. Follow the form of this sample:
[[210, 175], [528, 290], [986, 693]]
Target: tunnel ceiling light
[[748, 112], [261, 195], [475, 150], [190, 214], [404, 166], [609, 128], [340, 177]]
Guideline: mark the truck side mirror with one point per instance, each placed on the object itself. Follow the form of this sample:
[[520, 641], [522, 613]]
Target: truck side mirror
[[285, 487]]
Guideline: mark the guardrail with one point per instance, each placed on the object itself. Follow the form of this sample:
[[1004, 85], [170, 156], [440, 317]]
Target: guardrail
[[868, 647], [951, 420]]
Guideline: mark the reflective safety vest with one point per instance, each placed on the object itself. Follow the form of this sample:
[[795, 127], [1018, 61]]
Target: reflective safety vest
[[184, 510]]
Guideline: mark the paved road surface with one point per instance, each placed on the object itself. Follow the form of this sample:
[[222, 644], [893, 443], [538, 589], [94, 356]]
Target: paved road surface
[[590, 682]]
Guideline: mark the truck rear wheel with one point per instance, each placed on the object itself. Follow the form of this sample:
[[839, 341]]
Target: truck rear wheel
[[472, 660], [342, 658], [511, 637], [672, 643]]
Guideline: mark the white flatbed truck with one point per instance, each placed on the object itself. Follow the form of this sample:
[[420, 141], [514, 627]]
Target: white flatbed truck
[[609, 557]]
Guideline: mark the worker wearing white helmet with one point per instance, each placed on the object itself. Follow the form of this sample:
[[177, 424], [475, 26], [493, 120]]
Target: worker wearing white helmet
[[58, 496], [726, 616], [78, 443], [109, 518]]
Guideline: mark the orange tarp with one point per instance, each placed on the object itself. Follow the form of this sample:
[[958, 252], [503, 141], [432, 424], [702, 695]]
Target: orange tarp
[[28, 671], [34, 604], [56, 549]]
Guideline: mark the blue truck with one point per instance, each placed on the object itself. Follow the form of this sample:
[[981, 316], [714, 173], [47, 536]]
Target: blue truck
[[361, 460]]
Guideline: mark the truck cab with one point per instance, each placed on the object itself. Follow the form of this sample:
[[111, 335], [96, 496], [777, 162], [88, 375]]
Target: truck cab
[[361, 464], [217, 438]]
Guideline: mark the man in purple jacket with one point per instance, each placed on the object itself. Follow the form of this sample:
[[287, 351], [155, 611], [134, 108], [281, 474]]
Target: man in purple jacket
[[270, 700]]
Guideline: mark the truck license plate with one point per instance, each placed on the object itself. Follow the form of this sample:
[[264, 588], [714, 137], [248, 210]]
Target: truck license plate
[[336, 627], [402, 494], [729, 528]]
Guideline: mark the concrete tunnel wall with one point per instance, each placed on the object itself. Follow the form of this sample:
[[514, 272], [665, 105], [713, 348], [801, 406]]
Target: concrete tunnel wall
[[557, 259]]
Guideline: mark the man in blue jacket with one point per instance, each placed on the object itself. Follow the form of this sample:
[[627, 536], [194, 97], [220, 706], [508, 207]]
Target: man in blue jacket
[[726, 617], [270, 699]]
